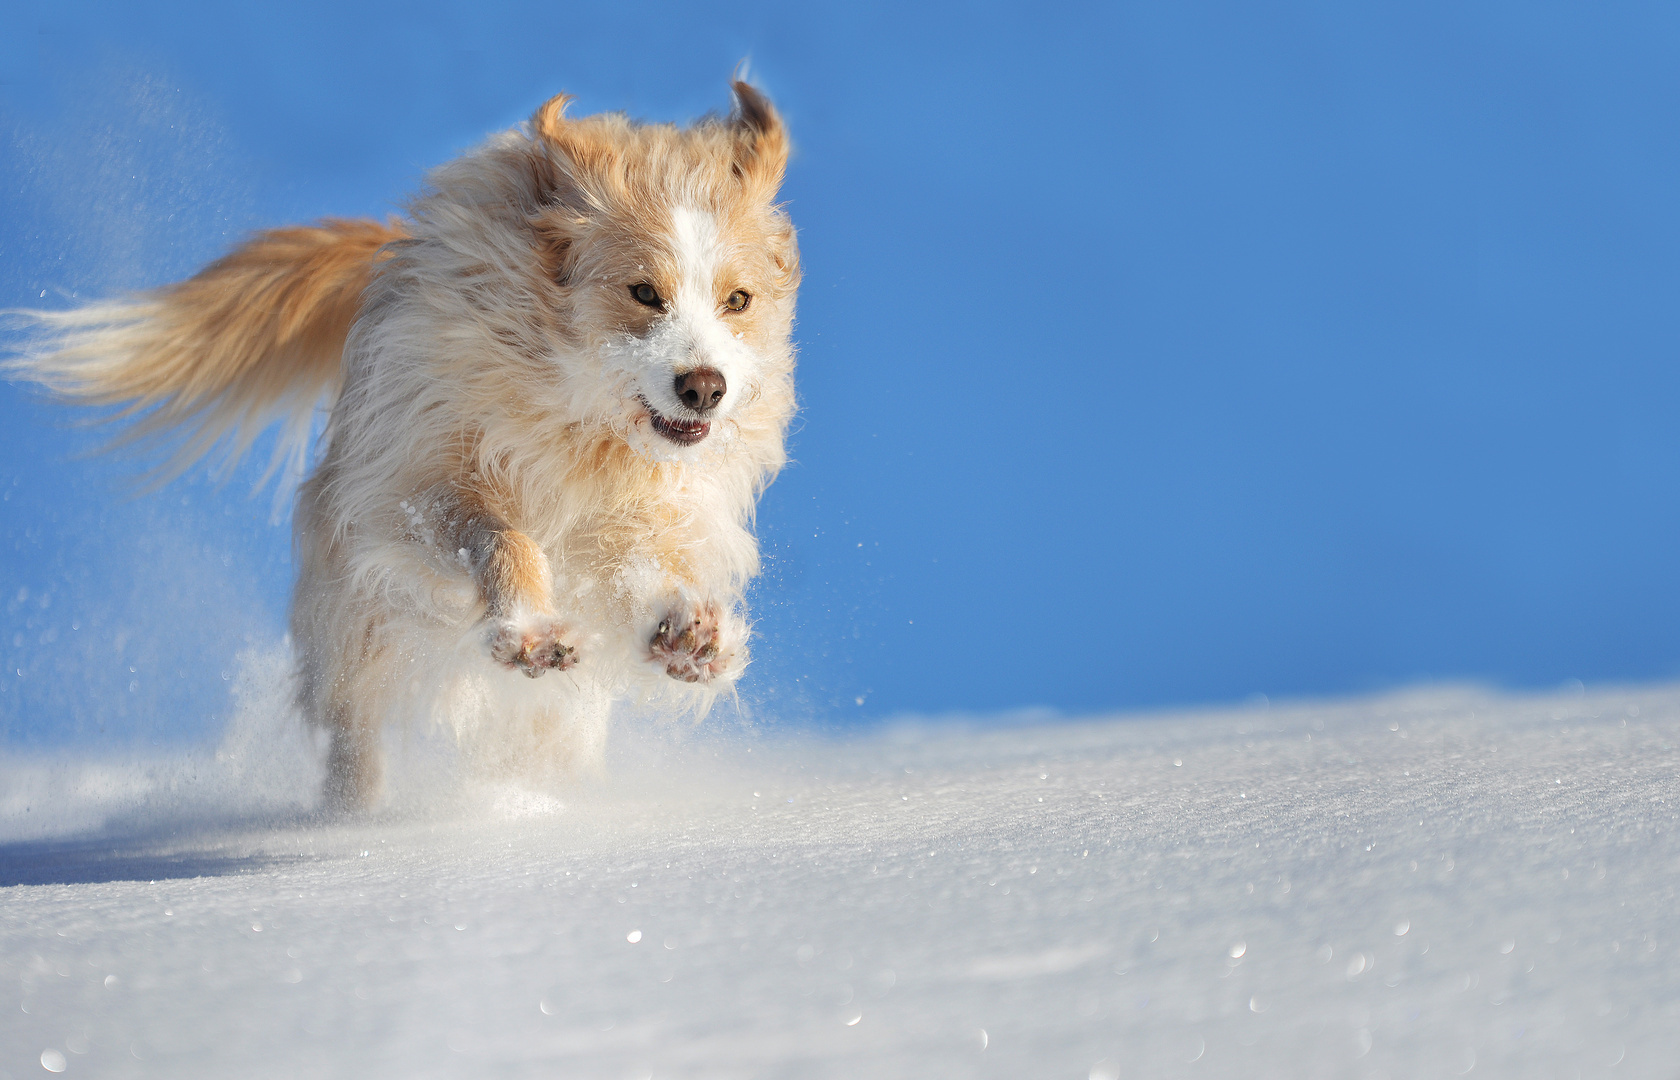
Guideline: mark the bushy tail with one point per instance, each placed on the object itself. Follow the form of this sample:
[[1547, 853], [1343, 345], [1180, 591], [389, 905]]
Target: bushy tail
[[254, 338]]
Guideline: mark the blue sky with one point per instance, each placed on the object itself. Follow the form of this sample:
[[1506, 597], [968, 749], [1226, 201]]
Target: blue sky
[[1150, 354]]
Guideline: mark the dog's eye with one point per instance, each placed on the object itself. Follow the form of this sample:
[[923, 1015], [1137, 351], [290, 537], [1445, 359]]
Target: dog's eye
[[646, 294], [738, 301]]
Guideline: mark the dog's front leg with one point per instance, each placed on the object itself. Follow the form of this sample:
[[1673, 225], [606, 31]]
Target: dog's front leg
[[522, 630]]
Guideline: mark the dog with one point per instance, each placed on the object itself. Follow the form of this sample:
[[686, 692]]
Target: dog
[[555, 389]]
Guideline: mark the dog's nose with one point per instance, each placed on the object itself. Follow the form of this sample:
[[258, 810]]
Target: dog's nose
[[701, 389]]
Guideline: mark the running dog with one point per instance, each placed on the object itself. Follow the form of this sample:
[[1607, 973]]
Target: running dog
[[555, 389]]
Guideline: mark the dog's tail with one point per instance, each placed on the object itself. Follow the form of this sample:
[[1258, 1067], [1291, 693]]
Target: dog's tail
[[254, 338]]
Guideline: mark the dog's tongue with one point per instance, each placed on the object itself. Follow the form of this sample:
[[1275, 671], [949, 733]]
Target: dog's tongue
[[687, 432]]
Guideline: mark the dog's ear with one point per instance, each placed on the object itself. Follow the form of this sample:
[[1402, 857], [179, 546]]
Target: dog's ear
[[549, 120], [555, 222], [585, 147], [760, 138]]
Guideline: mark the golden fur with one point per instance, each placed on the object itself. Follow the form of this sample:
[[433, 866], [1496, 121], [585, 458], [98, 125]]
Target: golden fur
[[510, 479]]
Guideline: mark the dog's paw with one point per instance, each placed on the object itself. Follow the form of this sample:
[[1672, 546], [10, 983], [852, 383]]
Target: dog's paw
[[533, 644], [697, 645]]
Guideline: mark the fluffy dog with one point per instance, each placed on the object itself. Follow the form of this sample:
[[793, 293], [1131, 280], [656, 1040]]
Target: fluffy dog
[[555, 388]]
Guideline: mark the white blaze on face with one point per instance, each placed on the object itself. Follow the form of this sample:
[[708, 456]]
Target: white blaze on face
[[696, 308], [696, 236]]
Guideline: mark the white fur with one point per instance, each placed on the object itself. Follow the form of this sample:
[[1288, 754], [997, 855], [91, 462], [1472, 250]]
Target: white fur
[[412, 370]]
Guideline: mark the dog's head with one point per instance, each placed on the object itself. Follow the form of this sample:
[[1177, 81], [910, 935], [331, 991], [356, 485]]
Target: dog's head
[[669, 270]]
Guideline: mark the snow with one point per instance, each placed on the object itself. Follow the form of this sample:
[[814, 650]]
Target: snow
[[1434, 883]]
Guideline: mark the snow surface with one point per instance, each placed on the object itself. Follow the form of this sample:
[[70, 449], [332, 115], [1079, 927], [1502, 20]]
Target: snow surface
[[1425, 884]]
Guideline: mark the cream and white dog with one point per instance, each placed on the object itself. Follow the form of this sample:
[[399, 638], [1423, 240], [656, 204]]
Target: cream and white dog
[[555, 388]]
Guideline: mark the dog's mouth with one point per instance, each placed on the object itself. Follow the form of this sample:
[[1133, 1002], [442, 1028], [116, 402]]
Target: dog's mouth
[[681, 432]]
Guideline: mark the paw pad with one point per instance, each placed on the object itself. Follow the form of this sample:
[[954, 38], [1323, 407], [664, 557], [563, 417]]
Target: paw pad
[[532, 646], [690, 646]]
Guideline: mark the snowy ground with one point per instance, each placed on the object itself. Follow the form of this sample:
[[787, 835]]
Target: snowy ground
[[1410, 886]]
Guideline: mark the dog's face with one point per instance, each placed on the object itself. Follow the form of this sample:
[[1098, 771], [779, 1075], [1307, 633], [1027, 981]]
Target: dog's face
[[676, 268]]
